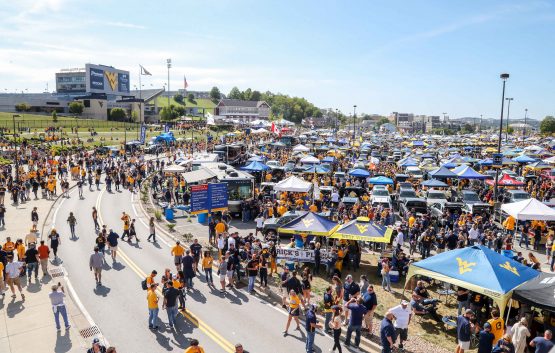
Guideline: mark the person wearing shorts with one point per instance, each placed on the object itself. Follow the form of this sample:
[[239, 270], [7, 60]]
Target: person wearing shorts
[[177, 252], [96, 261], [13, 270], [464, 328], [294, 310]]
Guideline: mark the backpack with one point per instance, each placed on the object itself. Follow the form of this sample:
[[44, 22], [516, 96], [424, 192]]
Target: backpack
[[144, 285]]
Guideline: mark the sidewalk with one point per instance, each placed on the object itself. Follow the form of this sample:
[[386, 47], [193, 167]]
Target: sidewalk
[[28, 326]]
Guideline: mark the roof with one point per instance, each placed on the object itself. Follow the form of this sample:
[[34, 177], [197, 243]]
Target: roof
[[240, 103], [198, 175]]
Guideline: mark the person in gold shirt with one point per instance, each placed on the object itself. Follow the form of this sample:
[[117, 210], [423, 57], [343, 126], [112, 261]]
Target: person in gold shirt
[[152, 300], [497, 325], [313, 208], [194, 347]]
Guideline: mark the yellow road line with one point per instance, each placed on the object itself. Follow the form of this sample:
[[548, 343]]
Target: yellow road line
[[190, 316]]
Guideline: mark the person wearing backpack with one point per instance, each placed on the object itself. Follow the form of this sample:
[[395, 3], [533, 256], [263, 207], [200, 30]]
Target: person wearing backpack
[[145, 284], [370, 302]]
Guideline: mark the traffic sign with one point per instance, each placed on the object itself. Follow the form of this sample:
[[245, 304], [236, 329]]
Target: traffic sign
[[209, 198], [497, 160]]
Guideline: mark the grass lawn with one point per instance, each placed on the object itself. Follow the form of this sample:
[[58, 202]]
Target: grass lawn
[[197, 103]]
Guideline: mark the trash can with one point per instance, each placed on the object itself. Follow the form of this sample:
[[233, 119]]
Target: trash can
[[168, 213], [202, 217]]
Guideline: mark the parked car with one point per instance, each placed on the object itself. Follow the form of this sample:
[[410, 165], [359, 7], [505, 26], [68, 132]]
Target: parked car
[[414, 205], [435, 196], [472, 202], [515, 195], [271, 225], [437, 210], [273, 164]]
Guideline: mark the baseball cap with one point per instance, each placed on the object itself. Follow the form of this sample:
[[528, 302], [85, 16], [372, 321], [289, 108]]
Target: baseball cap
[[95, 340], [404, 302], [487, 325], [469, 311]]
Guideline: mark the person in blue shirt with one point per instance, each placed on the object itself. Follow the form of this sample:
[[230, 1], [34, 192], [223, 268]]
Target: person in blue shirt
[[486, 338], [358, 310], [543, 344], [311, 324], [464, 328], [387, 333]]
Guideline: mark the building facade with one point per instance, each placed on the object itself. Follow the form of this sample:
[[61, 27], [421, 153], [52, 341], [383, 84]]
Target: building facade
[[241, 110]]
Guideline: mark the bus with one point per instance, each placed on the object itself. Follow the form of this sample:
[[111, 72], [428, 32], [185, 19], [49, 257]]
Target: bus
[[234, 154], [240, 185]]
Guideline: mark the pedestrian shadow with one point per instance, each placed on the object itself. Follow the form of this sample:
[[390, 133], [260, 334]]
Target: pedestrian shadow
[[118, 266], [182, 327], [156, 245], [162, 339], [63, 342], [106, 267], [101, 291], [74, 238], [57, 261], [34, 287], [14, 307], [197, 296], [46, 279], [239, 296]]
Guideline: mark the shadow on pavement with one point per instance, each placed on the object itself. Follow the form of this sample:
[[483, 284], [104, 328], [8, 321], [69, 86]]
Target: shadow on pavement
[[102, 291], [63, 342], [14, 307], [118, 266]]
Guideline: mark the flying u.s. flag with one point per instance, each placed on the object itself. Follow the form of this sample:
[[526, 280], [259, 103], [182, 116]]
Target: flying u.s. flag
[[185, 84]]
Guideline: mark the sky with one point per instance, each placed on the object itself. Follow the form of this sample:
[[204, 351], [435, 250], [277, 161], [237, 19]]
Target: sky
[[422, 57]]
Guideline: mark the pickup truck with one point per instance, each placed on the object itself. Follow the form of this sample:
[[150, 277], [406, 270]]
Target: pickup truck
[[438, 209], [413, 204], [472, 202]]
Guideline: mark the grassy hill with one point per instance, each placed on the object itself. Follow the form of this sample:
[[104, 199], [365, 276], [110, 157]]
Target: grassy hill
[[200, 103]]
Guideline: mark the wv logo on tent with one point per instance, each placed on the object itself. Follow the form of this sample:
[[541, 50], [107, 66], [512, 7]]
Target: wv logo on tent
[[361, 228], [465, 266], [307, 222], [507, 266]]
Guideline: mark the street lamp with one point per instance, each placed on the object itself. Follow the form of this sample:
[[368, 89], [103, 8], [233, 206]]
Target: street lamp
[[480, 129], [524, 130], [169, 62], [503, 77], [354, 122], [508, 116], [16, 157]]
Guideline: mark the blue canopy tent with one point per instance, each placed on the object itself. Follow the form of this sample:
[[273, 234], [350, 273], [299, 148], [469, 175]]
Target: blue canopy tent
[[417, 143], [166, 137], [311, 224], [408, 162], [256, 159], [466, 172], [316, 168], [486, 162], [359, 173], [478, 269], [381, 180], [442, 172], [362, 229], [524, 159], [426, 155], [449, 165], [329, 159], [434, 183], [255, 166]]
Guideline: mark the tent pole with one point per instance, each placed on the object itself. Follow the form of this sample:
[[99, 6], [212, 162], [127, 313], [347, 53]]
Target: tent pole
[[509, 311]]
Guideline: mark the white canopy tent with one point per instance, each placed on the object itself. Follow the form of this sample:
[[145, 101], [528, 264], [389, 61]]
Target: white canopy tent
[[293, 184], [300, 148], [174, 169], [528, 210], [310, 160]]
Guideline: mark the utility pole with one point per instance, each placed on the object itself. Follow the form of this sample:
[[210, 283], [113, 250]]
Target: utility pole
[[169, 62], [503, 77], [354, 122], [508, 116], [525, 117]]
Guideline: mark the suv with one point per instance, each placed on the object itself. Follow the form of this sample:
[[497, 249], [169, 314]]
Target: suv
[[472, 202], [515, 195], [438, 209], [434, 196], [271, 225]]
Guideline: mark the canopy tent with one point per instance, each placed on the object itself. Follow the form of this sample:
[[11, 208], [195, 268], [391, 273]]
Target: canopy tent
[[198, 175], [434, 183], [166, 137], [529, 210], [417, 143], [315, 168], [486, 162], [442, 172], [359, 173], [478, 269], [174, 169], [448, 165], [293, 184], [408, 162], [301, 148], [466, 172], [506, 180], [381, 180], [362, 229], [278, 144], [255, 166], [310, 223], [310, 160], [550, 160], [539, 165], [524, 159], [256, 159], [426, 155], [538, 292], [329, 159]]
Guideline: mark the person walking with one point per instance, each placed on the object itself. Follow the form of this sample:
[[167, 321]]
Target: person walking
[[95, 219], [386, 279], [207, 262], [387, 333], [72, 221], [152, 300], [32, 262], [34, 217], [13, 269], [370, 302], [358, 310], [170, 302], [55, 242], [58, 305], [177, 253], [188, 269], [311, 324], [44, 253], [97, 347], [402, 314], [152, 230], [294, 311], [335, 326], [464, 328], [96, 261], [485, 339], [328, 311], [112, 240], [543, 344], [520, 334], [194, 347], [252, 271]]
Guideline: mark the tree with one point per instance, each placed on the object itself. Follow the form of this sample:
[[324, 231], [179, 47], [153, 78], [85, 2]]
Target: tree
[[191, 97], [76, 108], [234, 93], [179, 111], [467, 129], [168, 114], [22, 107], [54, 116], [255, 96], [510, 130], [134, 116], [246, 94], [178, 98], [118, 114], [547, 125], [215, 94], [382, 121]]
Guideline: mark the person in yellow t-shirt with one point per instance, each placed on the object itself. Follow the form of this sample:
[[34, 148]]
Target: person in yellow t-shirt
[[509, 224], [294, 310], [220, 227], [20, 248], [194, 347], [152, 300], [281, 209], [412, 220], [313, 208], [497, 325], [177, 253]]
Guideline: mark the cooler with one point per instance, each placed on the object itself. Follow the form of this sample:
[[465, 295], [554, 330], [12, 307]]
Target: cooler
[[202, 217], [168, 213], [290, 265], [394, 276]]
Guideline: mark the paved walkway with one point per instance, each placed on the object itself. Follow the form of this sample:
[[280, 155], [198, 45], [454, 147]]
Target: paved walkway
[[28, 326]]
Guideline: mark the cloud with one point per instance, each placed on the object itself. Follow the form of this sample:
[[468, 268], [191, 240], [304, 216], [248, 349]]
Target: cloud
[[124, 25]]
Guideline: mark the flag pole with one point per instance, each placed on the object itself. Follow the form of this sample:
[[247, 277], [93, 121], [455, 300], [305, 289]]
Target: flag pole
[[140, 98]]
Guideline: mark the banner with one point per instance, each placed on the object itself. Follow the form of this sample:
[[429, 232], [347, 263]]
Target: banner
[[301, 255], [199, 199], [167, 128], [143, 134], [211, 197]]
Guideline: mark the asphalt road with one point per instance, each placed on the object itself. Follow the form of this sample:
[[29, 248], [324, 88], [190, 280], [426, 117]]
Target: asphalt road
[[119, 306]]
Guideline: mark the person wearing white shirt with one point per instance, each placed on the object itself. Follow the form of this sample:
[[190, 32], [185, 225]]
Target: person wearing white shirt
[[403, 314], [230, 241], [13, 269], [335, 196], [400, 239], [259, 224], [473, 235]]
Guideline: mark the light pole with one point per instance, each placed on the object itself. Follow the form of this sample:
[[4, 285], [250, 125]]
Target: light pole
[[169, 62], [336, 123], [16, 157], [480, 128], [524, 130], [508, 116], [354, 122], [503, 77]]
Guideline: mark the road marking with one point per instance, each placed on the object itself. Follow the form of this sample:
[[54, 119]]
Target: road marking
[[190, 316], [143, 222]]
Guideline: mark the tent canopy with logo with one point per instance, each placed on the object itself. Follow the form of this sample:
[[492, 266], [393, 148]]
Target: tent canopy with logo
[[478, 269], [362, 229], [506, 180], [310, 223]]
